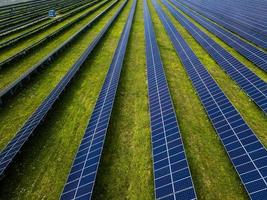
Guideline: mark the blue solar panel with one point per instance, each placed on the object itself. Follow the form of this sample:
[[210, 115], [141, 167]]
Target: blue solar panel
[[81, 179], [255, 87], [14, 146], [249, 51], [247, 154], [248, 34], [172, 177]]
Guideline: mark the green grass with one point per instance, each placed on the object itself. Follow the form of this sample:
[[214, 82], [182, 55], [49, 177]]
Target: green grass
[[213, 174], [12, 72], [18, 109], [248, 109], [126, 167], [41, 170]]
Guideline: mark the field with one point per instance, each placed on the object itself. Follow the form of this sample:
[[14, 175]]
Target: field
[[41, 168]]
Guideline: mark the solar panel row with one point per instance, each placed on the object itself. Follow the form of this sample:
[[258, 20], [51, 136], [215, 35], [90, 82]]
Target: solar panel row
[[249, 35], [249, 51], [10, 88], [172, 177], [247, 154], [255, 87], [14, 146], [81, 179]]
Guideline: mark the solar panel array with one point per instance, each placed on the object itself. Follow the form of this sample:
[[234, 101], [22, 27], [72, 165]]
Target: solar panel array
[[237, 16], [172, 177], [251, 10], [253, 25], [10, 88], [255, 87], [14, 146], [248, 34], [220, 11], [245, 8], [249, 51], [22, 36], [83, 173], [35, 14], [247, 154]]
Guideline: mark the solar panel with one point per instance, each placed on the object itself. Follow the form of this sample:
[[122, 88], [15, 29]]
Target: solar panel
[[83, 173], [172, 177], [255, 87], [249, 51], [13, 147], [247, 154], [249, 35]]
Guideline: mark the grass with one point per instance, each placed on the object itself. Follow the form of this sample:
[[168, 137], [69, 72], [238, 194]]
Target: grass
[[213, 174], [31, 96], [41, 170], [126, 166], [12, 72]]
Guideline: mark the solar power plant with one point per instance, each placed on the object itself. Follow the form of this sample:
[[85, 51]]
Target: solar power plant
[[133, 99]]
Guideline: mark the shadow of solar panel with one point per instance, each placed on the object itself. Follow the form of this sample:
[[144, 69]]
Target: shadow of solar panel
[[247, 154], [172, 178], [82, 176]]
